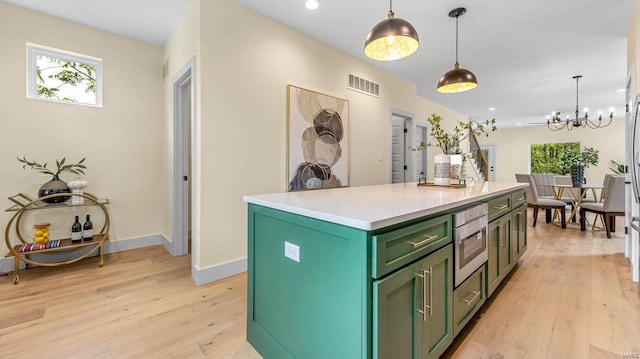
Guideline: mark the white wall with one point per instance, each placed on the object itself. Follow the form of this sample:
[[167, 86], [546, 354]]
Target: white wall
[[121, 140], [243, 115], [513, 147]]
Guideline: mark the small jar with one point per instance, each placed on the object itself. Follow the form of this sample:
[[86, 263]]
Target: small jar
[[41, 232]]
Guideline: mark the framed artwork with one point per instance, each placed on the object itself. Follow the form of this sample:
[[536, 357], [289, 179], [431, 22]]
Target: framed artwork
[[317, 140]]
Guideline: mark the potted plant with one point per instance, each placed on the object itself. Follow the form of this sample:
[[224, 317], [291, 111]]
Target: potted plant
[[576, 162], [55, 185]]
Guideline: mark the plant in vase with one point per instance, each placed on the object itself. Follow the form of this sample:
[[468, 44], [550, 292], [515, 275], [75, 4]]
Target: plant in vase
[[575, 162], [55, 185], [450, 143]]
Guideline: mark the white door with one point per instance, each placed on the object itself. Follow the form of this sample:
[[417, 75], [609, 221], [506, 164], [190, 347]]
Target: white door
[[421, 155], [398, 165], [490, 154]]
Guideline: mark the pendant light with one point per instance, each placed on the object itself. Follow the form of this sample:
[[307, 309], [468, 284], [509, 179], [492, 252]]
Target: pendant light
[[391, 39], [457, 80]]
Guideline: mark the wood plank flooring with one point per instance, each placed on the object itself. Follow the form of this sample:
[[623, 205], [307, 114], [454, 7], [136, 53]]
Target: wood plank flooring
[[570, 297]]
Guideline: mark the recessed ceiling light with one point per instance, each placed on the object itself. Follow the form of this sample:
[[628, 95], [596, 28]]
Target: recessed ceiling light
[[311, 4], [518, 124], [621, 90], [492, 108]]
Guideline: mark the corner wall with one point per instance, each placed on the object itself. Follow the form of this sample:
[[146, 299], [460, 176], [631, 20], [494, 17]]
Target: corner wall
[[121, 140]]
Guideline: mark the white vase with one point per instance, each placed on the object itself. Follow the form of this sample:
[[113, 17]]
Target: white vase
[[77, 187], [442, 173]]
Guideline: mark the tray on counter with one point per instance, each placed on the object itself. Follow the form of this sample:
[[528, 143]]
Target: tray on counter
[[422, 182]]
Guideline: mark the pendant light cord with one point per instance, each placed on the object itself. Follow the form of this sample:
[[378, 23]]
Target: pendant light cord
[[457, 39], [390, 5]]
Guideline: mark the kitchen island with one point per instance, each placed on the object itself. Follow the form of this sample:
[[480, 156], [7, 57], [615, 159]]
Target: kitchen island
[[367, 272]]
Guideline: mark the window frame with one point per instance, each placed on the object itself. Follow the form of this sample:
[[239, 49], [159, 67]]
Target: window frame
[[33, 50]]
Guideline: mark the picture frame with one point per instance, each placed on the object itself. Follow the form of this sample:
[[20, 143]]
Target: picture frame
[[317, 140]]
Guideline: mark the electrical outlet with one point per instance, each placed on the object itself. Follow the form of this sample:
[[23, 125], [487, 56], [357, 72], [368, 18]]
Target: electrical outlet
[[380, 156], [292, 251]]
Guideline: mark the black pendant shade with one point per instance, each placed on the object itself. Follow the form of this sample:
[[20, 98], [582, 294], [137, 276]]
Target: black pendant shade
[[457, 80]]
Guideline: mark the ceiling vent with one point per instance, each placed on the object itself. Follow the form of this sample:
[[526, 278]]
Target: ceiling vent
[[365, 86]]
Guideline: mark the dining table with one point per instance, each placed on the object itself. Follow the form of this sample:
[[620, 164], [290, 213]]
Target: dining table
[[576, 195]]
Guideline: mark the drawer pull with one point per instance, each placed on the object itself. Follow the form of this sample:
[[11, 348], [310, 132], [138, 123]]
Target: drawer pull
[[426, 306], [501, 207], [469, 301], [521, 199], [424, 241]]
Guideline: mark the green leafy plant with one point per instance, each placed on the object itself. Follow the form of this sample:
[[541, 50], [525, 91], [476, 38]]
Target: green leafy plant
[[587, 158], [450, 143], [617, 167], [62, 166]]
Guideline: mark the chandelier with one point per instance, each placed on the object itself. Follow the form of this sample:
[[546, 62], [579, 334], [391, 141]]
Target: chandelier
[[556, 124]]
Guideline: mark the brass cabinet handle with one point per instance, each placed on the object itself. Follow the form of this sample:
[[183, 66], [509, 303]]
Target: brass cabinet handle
[[521, 199], [475, 295], [425, 241], [430, 306], [426, 307], [423, 311], [501, 207]]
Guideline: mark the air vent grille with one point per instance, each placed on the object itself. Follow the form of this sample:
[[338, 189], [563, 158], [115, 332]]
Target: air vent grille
[[165, 69], [365, 86]]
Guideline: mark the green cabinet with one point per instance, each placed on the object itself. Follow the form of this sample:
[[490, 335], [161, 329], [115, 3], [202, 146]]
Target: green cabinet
[[518, 232], [413, 315], [499, 243]]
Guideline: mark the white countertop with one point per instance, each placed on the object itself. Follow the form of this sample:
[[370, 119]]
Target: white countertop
[[374, 207]]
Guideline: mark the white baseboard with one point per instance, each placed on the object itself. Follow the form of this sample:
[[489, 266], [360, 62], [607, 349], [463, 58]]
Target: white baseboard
[[6, 264], [220, 271]]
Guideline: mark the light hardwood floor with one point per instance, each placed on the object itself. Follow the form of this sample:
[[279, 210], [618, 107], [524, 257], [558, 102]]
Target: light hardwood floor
[[570, 297]]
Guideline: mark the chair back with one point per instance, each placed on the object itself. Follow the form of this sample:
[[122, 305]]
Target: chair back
[[604, 185], [543, 183], [614, 199], [532, 193]]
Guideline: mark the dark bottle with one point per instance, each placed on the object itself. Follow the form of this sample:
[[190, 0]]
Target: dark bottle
[[76, 231], [87, 230]]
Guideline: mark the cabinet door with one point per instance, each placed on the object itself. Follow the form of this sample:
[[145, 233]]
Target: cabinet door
[[397, 324], [499, 262], [438, 321], [519, 233]]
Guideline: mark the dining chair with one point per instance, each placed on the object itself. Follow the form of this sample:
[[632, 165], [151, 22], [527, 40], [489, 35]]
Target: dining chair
[[535, 202], [612, 206]]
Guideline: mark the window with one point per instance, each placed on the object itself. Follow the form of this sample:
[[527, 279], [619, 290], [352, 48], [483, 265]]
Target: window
[[547, 158], [62, 76]]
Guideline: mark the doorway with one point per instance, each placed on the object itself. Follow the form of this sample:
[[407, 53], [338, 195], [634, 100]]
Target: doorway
[[183, 169], [489, 152], [421, 155], [400, 142]]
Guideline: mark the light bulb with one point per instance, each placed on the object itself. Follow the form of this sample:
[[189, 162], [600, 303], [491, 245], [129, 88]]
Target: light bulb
[[311, 4]]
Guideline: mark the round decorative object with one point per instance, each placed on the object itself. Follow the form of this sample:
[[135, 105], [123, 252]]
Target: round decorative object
[[77, 187], [54, 186], [442, 173]]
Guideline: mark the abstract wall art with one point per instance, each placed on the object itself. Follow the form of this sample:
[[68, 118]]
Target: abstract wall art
[[317, 140]]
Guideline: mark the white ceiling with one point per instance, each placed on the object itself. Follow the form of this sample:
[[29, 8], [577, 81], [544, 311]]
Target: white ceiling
[[523, 53]]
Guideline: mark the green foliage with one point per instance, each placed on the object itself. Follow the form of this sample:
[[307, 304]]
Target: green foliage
[[62, 166], [618, 168], [450, 143], [70, 74], [545, 158], [587, 158]]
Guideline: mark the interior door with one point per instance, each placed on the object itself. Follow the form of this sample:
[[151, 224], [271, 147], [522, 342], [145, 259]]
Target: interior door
[[421, 155], [398, 149]]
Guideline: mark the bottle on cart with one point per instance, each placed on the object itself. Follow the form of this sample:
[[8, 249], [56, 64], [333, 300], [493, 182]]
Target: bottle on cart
[[87, 230], [76, 231]]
